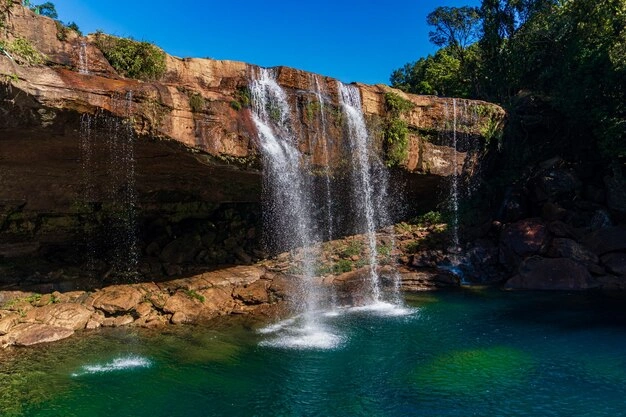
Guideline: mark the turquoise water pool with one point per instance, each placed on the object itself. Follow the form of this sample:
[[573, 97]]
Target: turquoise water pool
[[471, 352]]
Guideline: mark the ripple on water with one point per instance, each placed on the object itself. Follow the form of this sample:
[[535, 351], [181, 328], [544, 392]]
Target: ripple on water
[[300, 333], [294, 334], [382, 308], [117, 364]]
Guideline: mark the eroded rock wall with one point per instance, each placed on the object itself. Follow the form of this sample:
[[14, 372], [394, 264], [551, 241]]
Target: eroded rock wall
[[191, 190]]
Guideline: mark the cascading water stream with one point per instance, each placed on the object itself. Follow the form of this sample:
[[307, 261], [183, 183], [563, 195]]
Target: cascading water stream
[[287, 183], [457, 123], [289, 199], [121, 189], [454, 197], [107, 144], [350, 100], [83, 64], [87, 193], [323, 137]]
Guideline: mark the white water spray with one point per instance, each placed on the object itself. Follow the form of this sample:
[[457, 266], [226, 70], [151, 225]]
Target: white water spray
[[83, 64], [350, 99], [323, 137], [287, 182]]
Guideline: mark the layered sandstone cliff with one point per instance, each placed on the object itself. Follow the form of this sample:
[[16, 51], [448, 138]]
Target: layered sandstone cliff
[[194, 181]]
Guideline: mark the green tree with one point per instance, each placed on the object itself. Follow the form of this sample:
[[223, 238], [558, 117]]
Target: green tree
[[439, 74], [574, 54], [455, 28], [501, 19], [46, 9]]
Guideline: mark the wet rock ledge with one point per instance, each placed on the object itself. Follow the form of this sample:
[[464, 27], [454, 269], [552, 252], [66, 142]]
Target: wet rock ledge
[[269, 288], [30, 318]]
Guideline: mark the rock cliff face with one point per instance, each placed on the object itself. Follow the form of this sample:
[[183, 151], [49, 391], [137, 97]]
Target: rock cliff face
[[89, 158]]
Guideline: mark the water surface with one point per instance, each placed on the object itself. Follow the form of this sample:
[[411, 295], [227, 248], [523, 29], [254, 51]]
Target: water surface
[[451, 354]]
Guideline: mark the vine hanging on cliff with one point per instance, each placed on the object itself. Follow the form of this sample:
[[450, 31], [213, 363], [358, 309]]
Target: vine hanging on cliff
[[396, 130]]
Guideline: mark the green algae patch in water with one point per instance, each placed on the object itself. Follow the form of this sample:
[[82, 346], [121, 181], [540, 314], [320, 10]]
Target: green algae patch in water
[[420, 299], [199, 345], [466, 372]]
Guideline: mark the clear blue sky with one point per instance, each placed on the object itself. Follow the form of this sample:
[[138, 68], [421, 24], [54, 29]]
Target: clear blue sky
[[345, 39]]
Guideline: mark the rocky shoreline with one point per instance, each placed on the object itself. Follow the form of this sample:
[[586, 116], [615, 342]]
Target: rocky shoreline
[[268, 288], [31, 318], [28, 318]]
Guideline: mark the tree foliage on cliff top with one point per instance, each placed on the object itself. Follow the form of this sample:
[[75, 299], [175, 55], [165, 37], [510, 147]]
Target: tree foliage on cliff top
[[131, 58], [571, 52]]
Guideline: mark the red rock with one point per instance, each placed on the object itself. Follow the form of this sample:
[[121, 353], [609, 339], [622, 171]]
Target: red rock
[[255, 293], [8, 322], [521, 239], [27, 334], [117, 299], [66, 315]]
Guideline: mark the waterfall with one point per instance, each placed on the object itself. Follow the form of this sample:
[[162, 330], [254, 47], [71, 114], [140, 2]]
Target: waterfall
[[87, 190], [290, 214], [454, 190], [366, 205], [287, 190], [83, 64], [458, 123], [108, 194], [121, 193], [323, 138]]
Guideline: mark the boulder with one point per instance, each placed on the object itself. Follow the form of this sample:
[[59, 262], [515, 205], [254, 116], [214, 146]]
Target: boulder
[[117, 299], [28, 334], [66, 315], [595, 193], [352, 287], [611, 282], [239, 275], [521, 239], [184, 302], [611, 239], [514, 207], [179, 318], [415, 281], [601, 219], [568, 248], [615, 262], [427, 259], [118, 321], [6, 323], [182, 250], [552, 211], [483, 252], [144, 309], [255, 293], [556, 184], [616, 192], [537, 273], [93, 324], [561, 229], [217, 301]]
